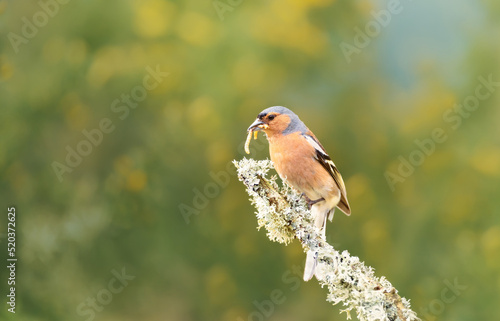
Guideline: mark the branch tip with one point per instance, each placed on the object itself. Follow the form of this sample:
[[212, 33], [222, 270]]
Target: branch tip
[[285, 215]]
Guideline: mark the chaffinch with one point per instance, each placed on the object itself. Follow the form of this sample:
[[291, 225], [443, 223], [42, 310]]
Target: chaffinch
[[302, 162]]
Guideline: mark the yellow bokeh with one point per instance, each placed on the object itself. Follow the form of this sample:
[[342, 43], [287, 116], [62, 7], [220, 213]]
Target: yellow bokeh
[[219, 285], [136, 181], [123, 165], [244, 247], [18, 179], [490, 243], [153, 17], [114, 61], [456, 210], [428, 110], [6, 69], [365, 6], [290, 28], [104, 64], [159, 197], [440, 159], [196, 29], [3, 6], [76, 113], [486, 161], [376, 239], [234, 313]]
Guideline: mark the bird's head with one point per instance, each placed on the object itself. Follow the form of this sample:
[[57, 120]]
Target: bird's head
[[277, 120]]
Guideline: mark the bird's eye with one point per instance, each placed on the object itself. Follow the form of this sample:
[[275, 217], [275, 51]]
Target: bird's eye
[[271, 117]]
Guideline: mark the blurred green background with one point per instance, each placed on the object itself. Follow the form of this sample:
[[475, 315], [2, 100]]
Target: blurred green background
[[133, 202]]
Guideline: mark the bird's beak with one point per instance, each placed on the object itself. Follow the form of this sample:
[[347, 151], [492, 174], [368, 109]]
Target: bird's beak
[[257, 125]]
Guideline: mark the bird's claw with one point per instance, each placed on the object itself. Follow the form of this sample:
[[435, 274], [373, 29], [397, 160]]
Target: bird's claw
[[310, 202]]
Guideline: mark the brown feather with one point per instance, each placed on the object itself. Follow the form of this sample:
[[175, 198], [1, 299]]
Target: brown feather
[[324, 159]]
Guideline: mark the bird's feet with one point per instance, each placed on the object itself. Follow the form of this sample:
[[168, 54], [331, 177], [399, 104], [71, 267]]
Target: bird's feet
[[310, 202]]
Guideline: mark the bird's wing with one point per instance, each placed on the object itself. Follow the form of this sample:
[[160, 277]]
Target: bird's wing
[[327, 163]]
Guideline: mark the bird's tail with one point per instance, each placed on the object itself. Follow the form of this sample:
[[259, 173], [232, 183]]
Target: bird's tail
[[310, 268], [319, 212]]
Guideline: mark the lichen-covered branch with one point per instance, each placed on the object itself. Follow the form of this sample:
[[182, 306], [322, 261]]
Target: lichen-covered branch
[[285, 215]]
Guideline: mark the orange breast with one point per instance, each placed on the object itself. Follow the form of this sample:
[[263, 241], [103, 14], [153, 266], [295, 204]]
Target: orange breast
[[293, 158]]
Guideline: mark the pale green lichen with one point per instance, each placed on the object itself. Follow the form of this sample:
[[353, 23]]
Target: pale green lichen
[[275, 222], [285, 215]]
